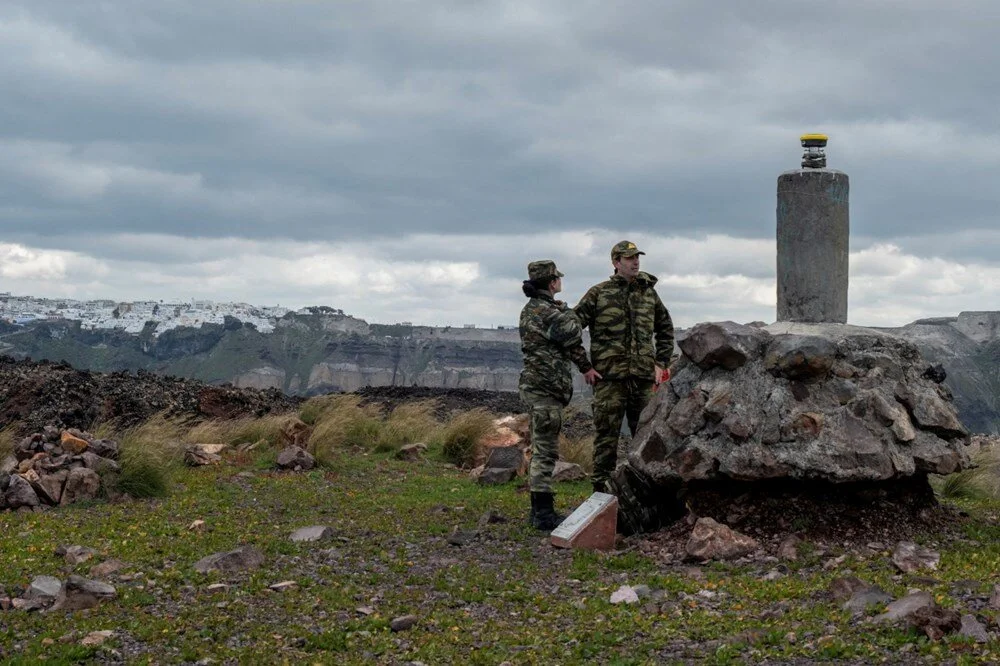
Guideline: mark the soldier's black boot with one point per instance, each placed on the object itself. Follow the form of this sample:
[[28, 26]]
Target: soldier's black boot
[[600, 487], [543, 513]]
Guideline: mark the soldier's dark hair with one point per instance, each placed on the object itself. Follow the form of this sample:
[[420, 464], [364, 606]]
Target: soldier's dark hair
[[532, 287]]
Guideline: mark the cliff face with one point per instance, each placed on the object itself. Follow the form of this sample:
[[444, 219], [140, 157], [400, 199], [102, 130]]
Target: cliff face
[[305, 354], [323, 352]]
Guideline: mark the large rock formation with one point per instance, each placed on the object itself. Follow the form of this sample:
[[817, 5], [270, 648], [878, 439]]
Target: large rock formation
[[816, 402], [968, 347]]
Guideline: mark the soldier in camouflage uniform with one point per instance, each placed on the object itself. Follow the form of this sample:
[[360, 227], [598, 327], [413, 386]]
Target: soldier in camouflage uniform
[[631, 338], [551, 339]]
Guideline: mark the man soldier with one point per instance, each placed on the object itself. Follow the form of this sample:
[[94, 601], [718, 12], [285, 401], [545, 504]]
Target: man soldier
[[551, 339], [631, 343]]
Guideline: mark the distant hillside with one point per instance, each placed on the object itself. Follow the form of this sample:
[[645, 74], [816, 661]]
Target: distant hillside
[[306, 354], [323, 351]]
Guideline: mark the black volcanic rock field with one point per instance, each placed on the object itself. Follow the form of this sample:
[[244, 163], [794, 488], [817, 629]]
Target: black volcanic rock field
[[36, 394]]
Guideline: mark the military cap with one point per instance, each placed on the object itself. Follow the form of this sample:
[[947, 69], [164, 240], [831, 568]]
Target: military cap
[[544, 268], [625, 249]]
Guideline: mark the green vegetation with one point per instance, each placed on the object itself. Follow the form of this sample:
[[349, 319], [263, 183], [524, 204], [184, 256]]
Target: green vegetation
[[506, 596]]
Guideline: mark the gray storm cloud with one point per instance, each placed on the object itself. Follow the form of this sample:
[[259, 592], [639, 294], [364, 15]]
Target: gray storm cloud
[[420, 133]]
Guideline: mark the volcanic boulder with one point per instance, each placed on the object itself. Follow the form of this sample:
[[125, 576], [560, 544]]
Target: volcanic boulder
[[825, 402]]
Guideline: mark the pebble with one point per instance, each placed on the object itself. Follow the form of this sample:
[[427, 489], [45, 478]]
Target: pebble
[[403, 622]]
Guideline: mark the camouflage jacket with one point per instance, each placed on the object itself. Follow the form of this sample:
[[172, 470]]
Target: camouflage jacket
[[551, 337], [630, 328]]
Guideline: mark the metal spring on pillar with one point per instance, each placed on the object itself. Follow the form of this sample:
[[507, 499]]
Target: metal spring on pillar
[[814, 155]]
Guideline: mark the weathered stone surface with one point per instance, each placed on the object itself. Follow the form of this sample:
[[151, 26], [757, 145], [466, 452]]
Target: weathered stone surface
[[82, 484], [726, 344], [894, 415], [711, 540], [73, 444], [98, 463], [505, 457], [85, 585], [76, 554], [908, 557], [565, 471], [29, 605], [8, 464], [974, 629], [240, 559], [496, 475], [784, 414], [20, 493], [688, 417], [295, 458], [199, 455], [624, 595], [49, 487], [902, 609], [806, 358], [994, 601], [44, 587], [865, 598], [106, 448], [295, 432], [935, 621], [930, 411], [402, 623], [105, 569], [80, 593], [846, 587], [789, 548], [312, 533], [96, 638]]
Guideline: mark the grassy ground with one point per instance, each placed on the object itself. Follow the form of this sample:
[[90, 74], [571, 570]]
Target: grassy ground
[[505, 596]]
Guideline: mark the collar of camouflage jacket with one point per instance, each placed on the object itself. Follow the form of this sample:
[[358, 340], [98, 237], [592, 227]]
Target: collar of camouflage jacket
[[643, 278]]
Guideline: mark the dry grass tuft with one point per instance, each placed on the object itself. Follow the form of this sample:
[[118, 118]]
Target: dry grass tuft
[[980, 482], [266, 429], [460, 438], [341, 420], [7, 441], [149, 455], [407, 424], [579, 450]]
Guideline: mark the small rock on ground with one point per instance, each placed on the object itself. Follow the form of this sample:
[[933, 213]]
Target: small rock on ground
[[403, 622]]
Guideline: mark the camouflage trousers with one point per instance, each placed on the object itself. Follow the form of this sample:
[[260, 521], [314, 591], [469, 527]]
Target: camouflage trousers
[[614, 399], [546, 423]]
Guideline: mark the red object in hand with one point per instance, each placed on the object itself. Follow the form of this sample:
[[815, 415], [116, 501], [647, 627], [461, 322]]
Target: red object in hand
[[661, 377]]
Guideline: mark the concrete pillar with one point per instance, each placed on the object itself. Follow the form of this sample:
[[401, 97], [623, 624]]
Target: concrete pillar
[[813, 236]]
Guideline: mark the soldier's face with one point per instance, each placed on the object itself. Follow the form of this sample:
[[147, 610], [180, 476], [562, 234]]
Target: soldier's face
[[555, 286], [628, 267]]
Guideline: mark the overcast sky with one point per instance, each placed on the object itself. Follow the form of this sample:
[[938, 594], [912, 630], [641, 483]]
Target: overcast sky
[[405, 160]]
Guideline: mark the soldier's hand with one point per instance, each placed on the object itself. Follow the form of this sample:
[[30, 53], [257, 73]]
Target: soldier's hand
[[662, 375], [592, 377]]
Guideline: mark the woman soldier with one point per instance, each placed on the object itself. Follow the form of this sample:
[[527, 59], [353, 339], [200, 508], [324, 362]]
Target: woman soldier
[[551, 338]]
